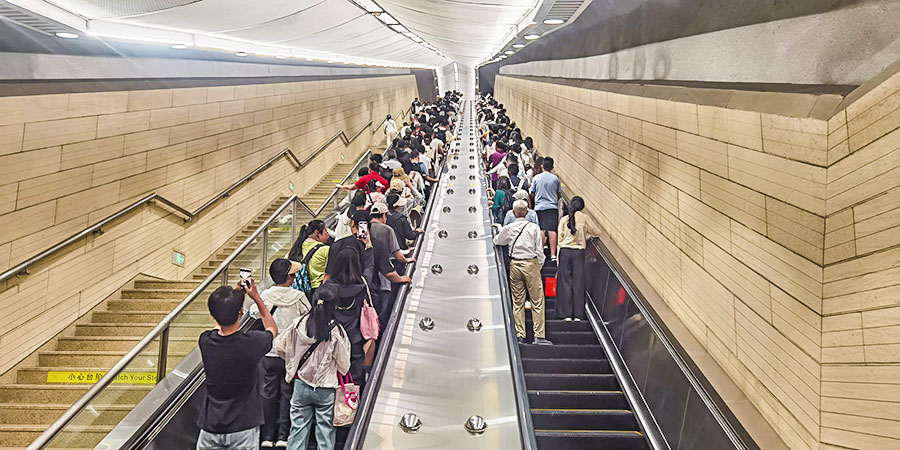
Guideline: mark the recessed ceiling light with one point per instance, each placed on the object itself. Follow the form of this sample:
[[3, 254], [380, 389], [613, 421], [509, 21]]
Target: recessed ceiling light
[[179, 46], [330, 61], [308, 59], [240, 54], [502, 56], [509, 52], [399, 28], [554, 21], [518, 45], [387, 18], [66, 35], [280, 56], [532, 37]]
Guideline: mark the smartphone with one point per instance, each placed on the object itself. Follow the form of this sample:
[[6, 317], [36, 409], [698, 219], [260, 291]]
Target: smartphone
[[363, 231], [245, 278]]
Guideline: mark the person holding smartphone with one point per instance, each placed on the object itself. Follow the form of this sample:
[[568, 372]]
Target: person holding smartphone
[[232, 411]]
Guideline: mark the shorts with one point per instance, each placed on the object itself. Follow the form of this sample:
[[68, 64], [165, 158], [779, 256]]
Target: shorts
[[548, 219]]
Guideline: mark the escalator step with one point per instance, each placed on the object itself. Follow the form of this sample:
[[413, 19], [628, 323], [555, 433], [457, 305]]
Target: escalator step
[[566, 365], [573, 337], [590, 440], [583, 419], [571, 382], [562, 351], [577, 399], [552, 325]]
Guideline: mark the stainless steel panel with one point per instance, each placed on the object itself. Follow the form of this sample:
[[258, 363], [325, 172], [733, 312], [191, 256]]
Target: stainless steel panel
[[449, 373]]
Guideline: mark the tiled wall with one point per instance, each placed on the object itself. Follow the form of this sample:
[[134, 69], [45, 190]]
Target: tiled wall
[[775, 239], [69, 160]]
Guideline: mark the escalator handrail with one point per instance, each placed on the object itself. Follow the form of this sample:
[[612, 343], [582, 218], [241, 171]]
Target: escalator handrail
[[97, 388], [366, 154], [523, 406], [360, 425]]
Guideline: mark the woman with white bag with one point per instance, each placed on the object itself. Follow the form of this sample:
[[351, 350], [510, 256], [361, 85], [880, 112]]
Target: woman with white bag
[[315, 349]]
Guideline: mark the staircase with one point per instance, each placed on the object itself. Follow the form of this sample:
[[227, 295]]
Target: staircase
[[42, 392], [576, 401]]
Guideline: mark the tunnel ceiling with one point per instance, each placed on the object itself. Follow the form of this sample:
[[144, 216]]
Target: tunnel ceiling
[[415, 33]]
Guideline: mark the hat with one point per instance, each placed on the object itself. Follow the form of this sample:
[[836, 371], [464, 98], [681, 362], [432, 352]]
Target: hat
[[281, 268], [400, 173], [379, 208], [520, 195], [397, 184], [361, 215]]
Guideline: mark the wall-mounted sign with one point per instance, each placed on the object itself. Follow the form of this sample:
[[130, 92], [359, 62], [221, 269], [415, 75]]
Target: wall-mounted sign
[[178, 258], [291, 186]]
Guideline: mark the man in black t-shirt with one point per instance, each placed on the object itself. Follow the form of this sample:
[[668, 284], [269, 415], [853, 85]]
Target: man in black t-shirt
[[232, 412]]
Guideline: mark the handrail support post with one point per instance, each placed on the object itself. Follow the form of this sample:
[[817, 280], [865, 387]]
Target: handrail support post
[[163, 354], [265, 253]]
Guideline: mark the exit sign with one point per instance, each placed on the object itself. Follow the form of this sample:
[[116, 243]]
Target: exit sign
[[178, 258], [291, 187]]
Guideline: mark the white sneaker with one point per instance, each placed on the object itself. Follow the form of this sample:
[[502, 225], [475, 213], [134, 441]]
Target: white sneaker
[[577, 319], [567, 319], [281, 444], [266, 444]]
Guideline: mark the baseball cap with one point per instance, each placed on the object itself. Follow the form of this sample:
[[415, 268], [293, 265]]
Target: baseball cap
[[281, 268], [397, 184], [361, 215], [520, 195], [379, 208]]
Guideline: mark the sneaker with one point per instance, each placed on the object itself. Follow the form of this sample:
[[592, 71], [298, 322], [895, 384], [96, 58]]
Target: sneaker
[[521, 340], [577, 319], [282, 443], [541, 341], [568, 319], [553, 258], [266, 444]]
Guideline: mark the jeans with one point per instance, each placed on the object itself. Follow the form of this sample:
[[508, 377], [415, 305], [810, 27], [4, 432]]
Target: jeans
[[239, 440], [276, 398], [306, 402]]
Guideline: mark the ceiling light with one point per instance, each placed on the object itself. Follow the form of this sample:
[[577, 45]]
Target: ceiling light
[[518, 45], [554, 21], [503, 56], [532, 37], [280, 56], [387, 18], [399, 28], [242, 54], [179, 46], [66, 35], [308, 59], [330, 61], [509, 52]]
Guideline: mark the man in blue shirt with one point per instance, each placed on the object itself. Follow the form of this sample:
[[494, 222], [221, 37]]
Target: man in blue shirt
[[545, 192]]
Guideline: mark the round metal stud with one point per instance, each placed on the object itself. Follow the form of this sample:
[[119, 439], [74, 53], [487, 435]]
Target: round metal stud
[[437, 269], [453, 166], [473, 209], [472, 157], [472, 269], [472, 191], [449, 191], [452, 177], [475, 425], [471, 166], [472, 177], [442, 234], [474, 324], [410, 423], [426, 324], [472, 235], [446, 209]]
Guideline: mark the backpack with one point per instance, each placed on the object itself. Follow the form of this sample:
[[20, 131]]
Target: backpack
[[507, 204], [302, 282]]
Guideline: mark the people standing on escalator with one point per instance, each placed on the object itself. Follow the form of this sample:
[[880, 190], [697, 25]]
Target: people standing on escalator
[[353, 284], [526, 250], [390, 279], [342, 229], [231, 411], [546, 190], [502, 200], [286, 304], [574, 229], [316, 349], [311, 249], [390, 130], [399, 222]]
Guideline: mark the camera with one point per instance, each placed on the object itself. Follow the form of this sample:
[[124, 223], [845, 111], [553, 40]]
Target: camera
[[245, 279]]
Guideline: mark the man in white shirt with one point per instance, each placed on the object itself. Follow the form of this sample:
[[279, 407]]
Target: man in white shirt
[[390, 131], [526, 249]]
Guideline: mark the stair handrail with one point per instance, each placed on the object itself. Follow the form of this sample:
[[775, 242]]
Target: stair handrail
[[160, 331]]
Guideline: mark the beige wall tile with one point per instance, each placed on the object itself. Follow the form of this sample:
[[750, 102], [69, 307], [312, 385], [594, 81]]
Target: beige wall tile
[[116, 124], [32, 108], [146, 140], [26, 221], [54, 185], [59, 132], [119, 168], [81, 203], [90, 152], [25, 165], [188, 96], [164, 156], [742, 128], [8, 195], [149, 99], [167, 117], [11, 138], [96, 103], [704, 153]]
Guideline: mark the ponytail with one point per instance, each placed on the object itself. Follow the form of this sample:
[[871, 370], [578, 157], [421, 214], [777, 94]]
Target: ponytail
[[577, 204], [322, 312], [296, 253]]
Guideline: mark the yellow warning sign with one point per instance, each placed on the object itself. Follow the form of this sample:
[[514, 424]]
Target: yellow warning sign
[[93, 377]]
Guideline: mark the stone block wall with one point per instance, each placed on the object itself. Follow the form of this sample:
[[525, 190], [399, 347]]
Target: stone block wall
[[774, 237], [70, 160]]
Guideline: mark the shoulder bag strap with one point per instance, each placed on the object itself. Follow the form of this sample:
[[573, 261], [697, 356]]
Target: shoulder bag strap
[[311, 254], [368, 292], [312, 348], [513, 245]]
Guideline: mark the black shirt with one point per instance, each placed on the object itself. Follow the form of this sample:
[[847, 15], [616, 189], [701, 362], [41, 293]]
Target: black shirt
[[402, 228], [345, 242], [233, 396]]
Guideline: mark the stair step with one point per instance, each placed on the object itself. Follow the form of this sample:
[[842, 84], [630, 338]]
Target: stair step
[[121, 343], [577, 399], [566, 365], [39, 375], [571, 382], [573, 337], [590, 440], [75, 436], [46, 414], [561, 325], [156, 293], [130, 329], [561, 351], [65, 393], [164, 284], [149, 317], [583, 419], [84, 358], [165, 305]]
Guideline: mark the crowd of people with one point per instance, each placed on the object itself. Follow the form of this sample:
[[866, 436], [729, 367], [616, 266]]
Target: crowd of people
[[527, 210], [319, 321]]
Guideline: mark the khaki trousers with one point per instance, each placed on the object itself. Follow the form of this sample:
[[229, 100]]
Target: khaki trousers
[[526, 274]]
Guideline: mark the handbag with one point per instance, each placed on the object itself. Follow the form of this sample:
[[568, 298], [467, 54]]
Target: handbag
[[346, 401], [368, 317]]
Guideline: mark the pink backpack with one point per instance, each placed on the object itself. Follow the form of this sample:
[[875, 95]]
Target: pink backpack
[[368, 318]]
